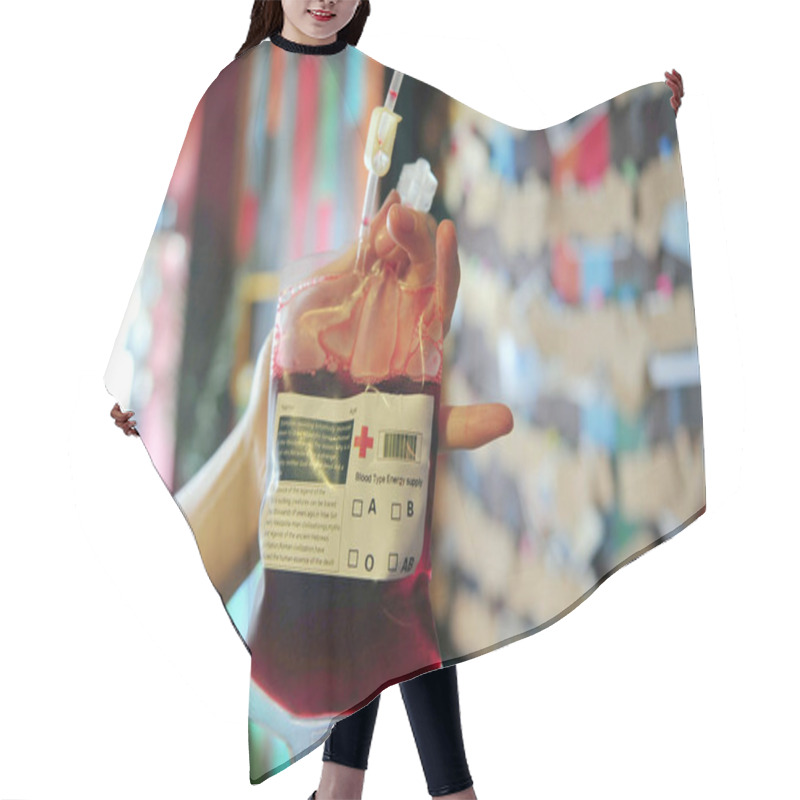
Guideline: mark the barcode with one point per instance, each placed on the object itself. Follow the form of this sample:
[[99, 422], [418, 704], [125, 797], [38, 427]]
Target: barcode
[[402, 446]]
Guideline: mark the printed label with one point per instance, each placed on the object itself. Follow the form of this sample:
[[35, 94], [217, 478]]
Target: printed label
[[353, 486]]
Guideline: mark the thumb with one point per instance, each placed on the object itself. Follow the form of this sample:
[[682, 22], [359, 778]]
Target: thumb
[[410, 230]]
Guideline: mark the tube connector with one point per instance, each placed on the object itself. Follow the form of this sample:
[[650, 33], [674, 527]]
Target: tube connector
[[380, 140], [417, 185]]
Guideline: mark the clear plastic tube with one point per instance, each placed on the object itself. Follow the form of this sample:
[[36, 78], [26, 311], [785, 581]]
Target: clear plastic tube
[[370, 196]]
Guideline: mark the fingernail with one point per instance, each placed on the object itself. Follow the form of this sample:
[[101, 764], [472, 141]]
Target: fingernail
[[382, 240], [403, 220]]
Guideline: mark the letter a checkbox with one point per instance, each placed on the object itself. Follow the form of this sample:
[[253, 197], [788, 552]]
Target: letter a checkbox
[[358, 508]]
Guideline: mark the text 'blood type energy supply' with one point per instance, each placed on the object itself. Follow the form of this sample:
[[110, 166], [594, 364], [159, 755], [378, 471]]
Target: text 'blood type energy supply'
[[351, 498]]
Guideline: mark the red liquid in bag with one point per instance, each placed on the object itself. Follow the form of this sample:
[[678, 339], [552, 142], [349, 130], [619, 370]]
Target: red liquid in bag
[[327, 644]]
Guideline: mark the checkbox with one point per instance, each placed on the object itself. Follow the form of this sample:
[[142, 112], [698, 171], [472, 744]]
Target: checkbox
[[352, 558], [392, 562], [358, 508], [396, 510]]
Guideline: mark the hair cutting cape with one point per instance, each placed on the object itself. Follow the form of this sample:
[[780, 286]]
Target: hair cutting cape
[[374, 555]]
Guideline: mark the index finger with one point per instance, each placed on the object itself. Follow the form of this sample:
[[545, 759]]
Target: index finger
[[448, 270]]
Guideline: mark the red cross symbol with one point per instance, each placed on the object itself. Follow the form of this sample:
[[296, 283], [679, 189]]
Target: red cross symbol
[[363, 442]]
